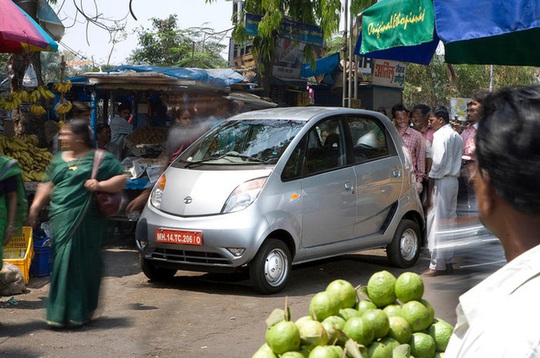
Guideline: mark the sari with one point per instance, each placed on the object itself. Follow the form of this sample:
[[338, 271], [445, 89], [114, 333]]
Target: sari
[[78, 230], [10, 168]]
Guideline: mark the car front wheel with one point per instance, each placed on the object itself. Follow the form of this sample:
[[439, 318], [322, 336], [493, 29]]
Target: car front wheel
[[404, 249], [154, 272], [270, 268]]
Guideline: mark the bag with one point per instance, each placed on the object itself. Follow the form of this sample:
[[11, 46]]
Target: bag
[[108, 203]]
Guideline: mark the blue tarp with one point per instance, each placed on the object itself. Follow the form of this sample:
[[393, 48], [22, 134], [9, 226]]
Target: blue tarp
[[214, 77], [322, 66]]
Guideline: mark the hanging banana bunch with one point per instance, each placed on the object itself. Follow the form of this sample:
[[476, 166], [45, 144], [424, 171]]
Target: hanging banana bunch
[[23, 95], [37, 110], [62, 87], [63, 107], [41, 92], [11, 102]]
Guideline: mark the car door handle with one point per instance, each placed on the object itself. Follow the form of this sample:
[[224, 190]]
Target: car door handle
[[396, 173], [349, 187]]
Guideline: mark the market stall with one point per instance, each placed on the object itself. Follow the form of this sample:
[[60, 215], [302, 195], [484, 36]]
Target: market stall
[[144, 87]]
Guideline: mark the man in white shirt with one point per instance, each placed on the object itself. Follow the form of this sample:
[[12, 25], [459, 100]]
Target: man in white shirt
[[499, 317], [443, 185]]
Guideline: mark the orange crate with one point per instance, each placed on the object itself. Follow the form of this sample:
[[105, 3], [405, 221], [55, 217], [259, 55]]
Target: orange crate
[[20, 251]]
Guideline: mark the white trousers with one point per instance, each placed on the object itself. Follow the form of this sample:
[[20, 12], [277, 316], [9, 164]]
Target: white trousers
[[441, 221]]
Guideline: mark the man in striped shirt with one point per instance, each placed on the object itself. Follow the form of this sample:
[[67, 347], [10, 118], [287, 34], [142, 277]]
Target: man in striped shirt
[[413, 141]]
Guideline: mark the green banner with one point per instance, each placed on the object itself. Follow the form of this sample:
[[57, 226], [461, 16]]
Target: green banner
[[393, 23]]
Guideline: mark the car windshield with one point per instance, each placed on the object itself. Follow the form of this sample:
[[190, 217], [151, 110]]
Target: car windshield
[[241, 142]]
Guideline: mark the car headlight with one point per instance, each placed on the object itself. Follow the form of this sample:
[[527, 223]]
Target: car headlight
[[157, 192], [243, 195]]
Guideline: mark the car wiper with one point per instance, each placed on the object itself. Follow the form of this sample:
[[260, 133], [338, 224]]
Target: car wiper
[[245, 157], [211, 158], [221, 156]]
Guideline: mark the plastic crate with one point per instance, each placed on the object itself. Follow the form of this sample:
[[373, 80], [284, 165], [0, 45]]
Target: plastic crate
[[20, 251]]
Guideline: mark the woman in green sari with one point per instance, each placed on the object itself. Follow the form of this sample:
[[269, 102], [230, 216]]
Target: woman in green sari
[[77, 226], [13, 205]]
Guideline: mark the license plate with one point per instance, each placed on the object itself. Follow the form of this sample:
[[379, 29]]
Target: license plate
[[182, 237]]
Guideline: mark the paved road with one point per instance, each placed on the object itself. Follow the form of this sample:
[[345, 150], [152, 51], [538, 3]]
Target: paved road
[[202, 315]]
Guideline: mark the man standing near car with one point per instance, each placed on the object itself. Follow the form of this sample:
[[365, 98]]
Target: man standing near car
[[419, 119], [443, 185], [466, 191], [413, 141]]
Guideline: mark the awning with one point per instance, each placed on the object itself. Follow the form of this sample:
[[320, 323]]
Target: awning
[[495, 32], [322, 66], [49, 21]]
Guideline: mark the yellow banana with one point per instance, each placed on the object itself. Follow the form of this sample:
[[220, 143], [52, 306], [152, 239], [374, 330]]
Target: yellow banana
[[62, 108], [24, 96], [37, 110], [45, 92], [62, 87]]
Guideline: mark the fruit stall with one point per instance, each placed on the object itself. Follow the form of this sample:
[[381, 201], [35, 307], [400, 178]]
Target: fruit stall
[[139, 85], [386, 317]]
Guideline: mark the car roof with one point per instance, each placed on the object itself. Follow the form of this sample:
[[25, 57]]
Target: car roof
[[301, 113]]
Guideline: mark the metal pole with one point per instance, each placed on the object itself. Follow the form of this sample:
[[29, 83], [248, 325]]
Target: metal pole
[[93, 115], [350, 63], [356, 65], [491, 78], [344, 76]]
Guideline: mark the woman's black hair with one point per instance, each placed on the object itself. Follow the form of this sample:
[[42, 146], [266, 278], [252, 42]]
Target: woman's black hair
[[80, 127]]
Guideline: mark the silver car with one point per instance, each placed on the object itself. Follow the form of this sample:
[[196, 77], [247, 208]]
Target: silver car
[[271, 188]]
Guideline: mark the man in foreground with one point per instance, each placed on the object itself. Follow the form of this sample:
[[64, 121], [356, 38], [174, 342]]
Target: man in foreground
[[497, 318]]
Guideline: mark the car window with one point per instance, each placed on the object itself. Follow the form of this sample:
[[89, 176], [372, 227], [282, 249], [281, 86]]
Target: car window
[[242, 142], [322, 149], [329, 151], [368, 138]]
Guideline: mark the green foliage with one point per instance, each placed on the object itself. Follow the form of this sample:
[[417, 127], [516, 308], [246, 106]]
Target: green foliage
[[167, 45], [323, 13], [431, 84]]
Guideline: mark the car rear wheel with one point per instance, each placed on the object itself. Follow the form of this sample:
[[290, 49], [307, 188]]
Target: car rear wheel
[[154, 272], [270, 268], [404, 249]]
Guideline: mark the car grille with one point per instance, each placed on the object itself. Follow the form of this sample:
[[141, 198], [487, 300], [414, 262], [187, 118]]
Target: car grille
[[192, 257]]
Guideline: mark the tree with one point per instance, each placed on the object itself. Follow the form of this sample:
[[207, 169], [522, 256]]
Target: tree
[[431, 84], [167, 45], [323, 13], [25, 122]]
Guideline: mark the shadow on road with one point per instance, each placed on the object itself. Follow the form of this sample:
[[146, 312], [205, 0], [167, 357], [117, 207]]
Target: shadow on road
[[307, 278], [33, 326]]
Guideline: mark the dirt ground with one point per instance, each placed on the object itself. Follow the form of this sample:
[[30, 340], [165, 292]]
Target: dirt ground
[[194, 315]]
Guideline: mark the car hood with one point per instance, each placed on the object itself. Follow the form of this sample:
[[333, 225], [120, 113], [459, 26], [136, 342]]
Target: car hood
[[190, 192]]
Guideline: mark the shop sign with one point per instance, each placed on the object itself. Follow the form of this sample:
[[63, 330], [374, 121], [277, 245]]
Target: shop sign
[[288, 59], [292, 30], [389, 73]]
